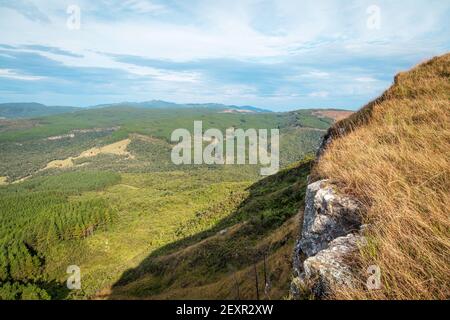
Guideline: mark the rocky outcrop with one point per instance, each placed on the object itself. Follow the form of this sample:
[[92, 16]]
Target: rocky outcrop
[[330, 233], [327, 216]]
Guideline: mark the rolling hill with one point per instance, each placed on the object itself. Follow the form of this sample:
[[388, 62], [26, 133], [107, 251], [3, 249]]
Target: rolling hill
[[31, 110], [159, 104], [23, 110], [97, 189]]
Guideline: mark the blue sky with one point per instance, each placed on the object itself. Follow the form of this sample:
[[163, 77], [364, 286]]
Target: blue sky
[[277, 54]]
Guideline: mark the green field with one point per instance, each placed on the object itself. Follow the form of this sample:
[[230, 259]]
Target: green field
[[120, 219]]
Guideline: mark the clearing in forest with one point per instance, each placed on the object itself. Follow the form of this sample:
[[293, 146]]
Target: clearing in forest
[[117, 148]]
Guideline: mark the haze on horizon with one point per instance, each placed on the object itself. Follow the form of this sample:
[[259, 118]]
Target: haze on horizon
[[275, 54]]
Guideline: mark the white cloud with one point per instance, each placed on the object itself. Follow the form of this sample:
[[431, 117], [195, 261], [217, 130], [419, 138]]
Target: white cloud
[[11, 74], [143, 6], [227, 29], [239, 91], [319, 94], [318, 74], [366, 79], [321, 34]]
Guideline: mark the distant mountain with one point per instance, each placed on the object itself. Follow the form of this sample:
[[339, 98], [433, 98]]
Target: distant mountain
[[30, 110], [156, 104]]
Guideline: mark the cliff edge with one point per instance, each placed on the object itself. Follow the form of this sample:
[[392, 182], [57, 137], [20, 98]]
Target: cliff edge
[[375, 223]]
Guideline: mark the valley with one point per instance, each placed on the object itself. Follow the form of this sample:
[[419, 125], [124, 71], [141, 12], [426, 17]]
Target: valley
[[248, 155], [74, 191]]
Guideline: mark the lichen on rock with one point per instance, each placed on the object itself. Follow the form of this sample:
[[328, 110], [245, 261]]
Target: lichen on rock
[[327, 216], [330, 233]]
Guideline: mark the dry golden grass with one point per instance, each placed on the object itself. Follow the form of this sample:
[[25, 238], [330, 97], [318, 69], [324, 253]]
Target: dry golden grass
[[336, 115], [394, 155]]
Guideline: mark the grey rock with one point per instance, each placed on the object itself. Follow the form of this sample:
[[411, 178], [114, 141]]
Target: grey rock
[[330, 267], [326, 141], [330, 232], [327, 216]]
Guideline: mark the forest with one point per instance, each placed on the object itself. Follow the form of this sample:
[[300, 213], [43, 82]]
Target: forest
[[107, 213]]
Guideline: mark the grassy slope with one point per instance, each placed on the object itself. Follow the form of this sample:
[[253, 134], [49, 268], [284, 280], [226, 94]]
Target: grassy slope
[[151, 211], [216, 262], [394, 156]]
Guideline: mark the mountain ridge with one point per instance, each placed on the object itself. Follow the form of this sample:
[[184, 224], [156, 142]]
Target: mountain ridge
[[24, 110], [166, 104], [19, 110]]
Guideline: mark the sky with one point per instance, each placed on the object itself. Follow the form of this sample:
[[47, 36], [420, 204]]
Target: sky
[[277, 54]]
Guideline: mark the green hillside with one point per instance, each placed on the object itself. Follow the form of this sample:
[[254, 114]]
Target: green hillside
[[30, 110], [114, 212], [217, 254]]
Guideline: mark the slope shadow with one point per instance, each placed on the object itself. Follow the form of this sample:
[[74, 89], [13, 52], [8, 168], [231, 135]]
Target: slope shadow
[[271, 202]]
